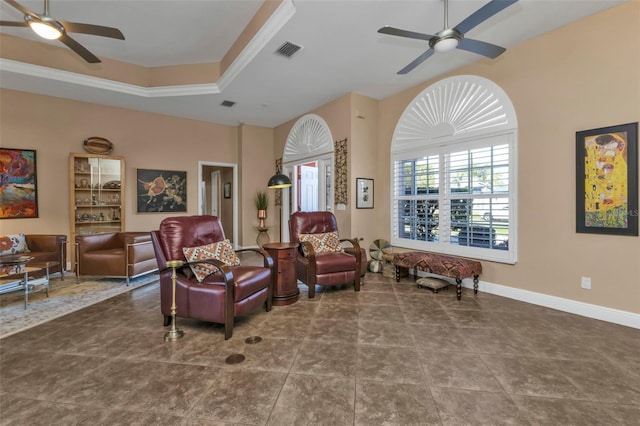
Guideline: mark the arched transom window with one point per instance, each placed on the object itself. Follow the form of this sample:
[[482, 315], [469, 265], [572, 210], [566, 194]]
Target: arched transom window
[[453, 171]]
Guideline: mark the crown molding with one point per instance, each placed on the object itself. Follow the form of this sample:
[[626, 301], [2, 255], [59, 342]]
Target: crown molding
[[276, 21], [37, 71]]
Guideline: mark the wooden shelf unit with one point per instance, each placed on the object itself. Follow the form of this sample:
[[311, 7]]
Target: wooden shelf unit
[[96, 191]]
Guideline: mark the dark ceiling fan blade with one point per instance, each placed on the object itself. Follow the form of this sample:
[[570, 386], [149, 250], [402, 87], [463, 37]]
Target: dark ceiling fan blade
[[13, 24], [404, 33], [481, 48], [482, 14], [21, 8], [97, 30], [79, 49], [420, 59]]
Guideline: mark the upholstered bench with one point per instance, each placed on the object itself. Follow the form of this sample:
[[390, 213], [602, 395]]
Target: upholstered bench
[[444, 265]]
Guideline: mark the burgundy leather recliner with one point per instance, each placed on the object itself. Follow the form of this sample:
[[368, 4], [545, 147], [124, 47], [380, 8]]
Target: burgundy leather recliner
[[221, 296], [325, 269]]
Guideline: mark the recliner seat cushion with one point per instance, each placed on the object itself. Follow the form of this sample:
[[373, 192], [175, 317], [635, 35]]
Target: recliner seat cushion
[[328, 263]]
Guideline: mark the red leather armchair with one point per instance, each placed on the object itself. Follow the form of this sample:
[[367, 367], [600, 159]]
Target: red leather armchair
[[222, 295], [328, 268]]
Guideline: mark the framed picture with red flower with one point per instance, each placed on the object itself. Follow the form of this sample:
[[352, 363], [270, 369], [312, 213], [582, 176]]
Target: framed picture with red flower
[[161, 191], [607, 180], [18, 184]]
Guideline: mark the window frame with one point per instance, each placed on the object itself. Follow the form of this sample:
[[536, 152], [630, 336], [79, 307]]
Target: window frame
[[448, 145]]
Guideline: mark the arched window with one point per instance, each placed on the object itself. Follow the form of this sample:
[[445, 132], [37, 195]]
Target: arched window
[[453, 171], [308, 161]]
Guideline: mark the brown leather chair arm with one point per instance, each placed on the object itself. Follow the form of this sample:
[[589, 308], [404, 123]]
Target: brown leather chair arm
[[140, 256], [267, 260], [134, 237], [42, 242], [356, 251], [227, 275], [305, 249], [354, 243]]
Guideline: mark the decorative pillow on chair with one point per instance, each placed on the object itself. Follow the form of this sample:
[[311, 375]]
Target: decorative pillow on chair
[[12, 244], [323, 243], [222, 251]]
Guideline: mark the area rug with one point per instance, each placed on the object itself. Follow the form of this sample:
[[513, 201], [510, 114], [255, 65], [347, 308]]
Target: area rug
[[64, 297]]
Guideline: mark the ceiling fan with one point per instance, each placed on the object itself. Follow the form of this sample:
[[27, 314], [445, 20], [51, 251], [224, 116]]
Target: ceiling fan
[[51, 29], [451, 38]]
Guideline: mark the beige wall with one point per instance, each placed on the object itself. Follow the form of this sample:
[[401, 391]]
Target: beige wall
[[363, 159], [256, 167], [569, 80], [55, 127]]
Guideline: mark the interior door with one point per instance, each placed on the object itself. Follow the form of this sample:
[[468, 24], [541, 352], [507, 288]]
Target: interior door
[[308, 188]]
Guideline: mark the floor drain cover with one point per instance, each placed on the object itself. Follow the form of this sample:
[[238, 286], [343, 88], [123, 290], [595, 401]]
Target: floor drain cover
[[234, 359], [254, 339]]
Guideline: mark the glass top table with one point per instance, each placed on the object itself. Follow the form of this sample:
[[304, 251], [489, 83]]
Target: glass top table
[[15, 275]]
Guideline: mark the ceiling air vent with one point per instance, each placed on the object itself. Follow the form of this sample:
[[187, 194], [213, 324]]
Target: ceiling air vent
[[288, 49], [228, 103]]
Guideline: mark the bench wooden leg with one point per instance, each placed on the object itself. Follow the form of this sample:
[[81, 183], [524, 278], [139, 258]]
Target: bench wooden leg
[[475, 284], [401, 271], [458, 288]]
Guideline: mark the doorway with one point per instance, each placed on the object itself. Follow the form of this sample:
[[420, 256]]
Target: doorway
[[213, 200], [308, 159]]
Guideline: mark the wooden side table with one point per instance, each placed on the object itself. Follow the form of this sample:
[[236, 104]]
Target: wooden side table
[[285, 288]]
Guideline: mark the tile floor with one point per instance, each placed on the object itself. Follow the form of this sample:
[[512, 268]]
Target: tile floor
[[392, 354]]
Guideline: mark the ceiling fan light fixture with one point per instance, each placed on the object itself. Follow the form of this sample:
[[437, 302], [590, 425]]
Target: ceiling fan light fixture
[[44, 29], [446, 45]]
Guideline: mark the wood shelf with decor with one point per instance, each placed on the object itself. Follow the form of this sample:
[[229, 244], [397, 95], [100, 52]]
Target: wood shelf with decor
[[96, 185]]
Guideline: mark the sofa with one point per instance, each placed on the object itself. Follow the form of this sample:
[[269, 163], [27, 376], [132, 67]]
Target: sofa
[[115, 254], [40, 247]]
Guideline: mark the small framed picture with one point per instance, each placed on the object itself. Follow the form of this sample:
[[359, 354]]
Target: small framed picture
[[364, 193], [227, 190]]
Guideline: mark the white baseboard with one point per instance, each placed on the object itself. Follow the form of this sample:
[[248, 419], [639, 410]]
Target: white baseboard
[[602, 313]]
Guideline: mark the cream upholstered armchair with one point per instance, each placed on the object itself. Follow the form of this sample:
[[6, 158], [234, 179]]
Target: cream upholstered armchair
[[321, 258]]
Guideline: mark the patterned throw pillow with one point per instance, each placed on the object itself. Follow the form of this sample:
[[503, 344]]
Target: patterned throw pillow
[[13, 244], [222, 251], [323, 243]]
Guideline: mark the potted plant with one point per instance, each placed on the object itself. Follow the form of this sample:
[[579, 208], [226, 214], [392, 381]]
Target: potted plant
[[262, 203]]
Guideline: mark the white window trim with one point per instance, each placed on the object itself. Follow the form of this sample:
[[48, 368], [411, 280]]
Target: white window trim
[[457, 111]]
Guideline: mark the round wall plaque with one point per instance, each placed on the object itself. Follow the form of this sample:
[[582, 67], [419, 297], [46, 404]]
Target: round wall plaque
[[97, 145]]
